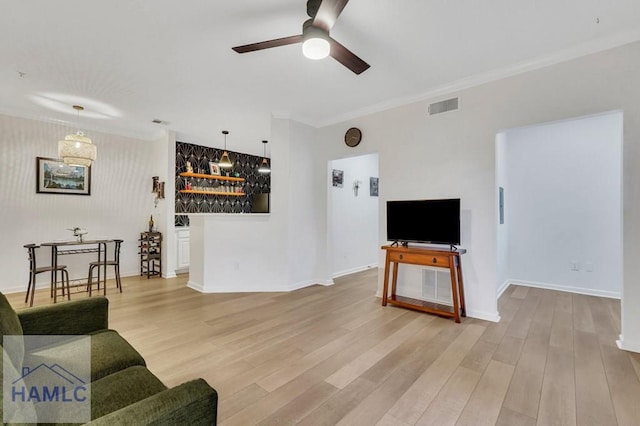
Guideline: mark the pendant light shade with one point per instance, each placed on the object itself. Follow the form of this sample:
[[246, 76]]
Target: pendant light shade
[[264, 166], [225, 161], [76, 148]]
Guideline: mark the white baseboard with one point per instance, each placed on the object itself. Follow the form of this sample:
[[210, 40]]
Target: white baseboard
[[354, 270], [21, 289], [505, 285], [195, 286], [628, 346], [235, 289], [481, 315], [326, 282], [568, 289]]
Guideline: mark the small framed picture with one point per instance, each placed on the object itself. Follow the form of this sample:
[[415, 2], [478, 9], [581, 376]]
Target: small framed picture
[[373, 186], [337, 178], [53, 176], [214, 168]]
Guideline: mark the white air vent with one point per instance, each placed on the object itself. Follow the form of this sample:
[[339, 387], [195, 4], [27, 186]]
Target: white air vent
[[443, 106], [436, 286]]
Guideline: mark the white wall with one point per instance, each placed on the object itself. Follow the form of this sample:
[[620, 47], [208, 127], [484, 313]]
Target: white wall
[[564, 205], [453, 155], [353, 220], [119, 205], [303, 211], [264, 252]]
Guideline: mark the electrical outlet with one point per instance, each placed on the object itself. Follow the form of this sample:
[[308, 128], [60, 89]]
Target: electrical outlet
[[588, 266], [575, 266]]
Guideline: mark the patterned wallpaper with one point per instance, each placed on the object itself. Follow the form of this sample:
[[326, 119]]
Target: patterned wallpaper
[[244, 165]]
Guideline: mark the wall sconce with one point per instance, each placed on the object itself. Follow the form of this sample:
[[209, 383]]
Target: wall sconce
[[158, 190]]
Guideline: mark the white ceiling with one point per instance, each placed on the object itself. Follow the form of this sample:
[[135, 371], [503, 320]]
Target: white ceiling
[[131, 61]]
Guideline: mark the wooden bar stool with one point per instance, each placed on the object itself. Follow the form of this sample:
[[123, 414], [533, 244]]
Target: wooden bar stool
[[115, 262], [35, 270]]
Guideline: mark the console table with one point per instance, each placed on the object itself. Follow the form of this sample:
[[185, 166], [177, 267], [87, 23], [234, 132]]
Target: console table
[[433, 257]]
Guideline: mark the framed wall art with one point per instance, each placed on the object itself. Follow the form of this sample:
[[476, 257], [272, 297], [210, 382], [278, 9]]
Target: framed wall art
[[53, 176], [337, 177], [373, 186], [214, 168]]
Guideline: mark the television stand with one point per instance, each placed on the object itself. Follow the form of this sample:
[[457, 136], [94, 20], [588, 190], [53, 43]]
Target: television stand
[[439, 258]]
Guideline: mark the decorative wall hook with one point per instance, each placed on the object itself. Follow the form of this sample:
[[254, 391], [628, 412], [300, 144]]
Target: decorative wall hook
[[356, 186]]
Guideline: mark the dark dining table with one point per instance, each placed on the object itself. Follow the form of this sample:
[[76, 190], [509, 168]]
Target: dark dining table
[[62, 248]]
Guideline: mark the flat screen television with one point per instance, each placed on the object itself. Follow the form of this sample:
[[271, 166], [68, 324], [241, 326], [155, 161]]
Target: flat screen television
[[424, 221]]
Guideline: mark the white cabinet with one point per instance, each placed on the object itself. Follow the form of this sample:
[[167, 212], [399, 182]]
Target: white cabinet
[[182, 238]]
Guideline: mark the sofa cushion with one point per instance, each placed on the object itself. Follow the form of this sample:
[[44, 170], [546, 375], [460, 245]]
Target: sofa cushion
[[193, 403], [121, 389], [114, 392], [10, 326], [110, 353]]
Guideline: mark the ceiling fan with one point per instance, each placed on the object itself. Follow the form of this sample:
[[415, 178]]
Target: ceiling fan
[[315, 39]]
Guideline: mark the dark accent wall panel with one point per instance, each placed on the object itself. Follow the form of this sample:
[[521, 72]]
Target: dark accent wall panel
[[245, 165]]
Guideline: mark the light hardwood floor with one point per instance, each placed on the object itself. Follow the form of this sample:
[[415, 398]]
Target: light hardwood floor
[[333, 355]]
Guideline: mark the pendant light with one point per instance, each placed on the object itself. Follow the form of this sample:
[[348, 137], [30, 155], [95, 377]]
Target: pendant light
[[225, 161], [264, 167], [76, 148]]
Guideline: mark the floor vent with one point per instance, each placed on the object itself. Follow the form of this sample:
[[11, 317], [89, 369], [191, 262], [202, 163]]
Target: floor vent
[[443, 106]]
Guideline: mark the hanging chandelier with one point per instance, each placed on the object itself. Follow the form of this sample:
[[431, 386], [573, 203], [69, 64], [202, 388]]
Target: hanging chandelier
[[76, 148]]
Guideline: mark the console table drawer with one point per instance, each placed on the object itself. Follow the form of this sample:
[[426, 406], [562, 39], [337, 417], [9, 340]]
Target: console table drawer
[[420, 259]]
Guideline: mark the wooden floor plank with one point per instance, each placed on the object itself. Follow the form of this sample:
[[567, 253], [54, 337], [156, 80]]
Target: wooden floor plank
[[558, 395], [593, 397], [485, 403], [451, 400], [415, 401], [509, 417], [523, 395], [582, 318], [623, 384], [351, 371]]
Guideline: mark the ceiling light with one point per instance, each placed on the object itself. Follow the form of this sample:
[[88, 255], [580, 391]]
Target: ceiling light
[[316, 41], [76, 148], [264, 167], [225, 161]]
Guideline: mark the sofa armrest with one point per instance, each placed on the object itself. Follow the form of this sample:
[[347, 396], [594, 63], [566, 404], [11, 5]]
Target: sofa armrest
[[193, 403], [82, 316]]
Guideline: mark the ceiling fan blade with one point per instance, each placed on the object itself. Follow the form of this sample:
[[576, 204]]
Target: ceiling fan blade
[[268, 44], [328, 13], [347, 58]]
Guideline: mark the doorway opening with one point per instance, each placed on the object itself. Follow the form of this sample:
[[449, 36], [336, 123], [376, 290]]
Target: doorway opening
[[559, 205], [352, 214]]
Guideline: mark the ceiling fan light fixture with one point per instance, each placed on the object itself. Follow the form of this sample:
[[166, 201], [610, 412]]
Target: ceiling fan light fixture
[[316, 41], [316, 48]]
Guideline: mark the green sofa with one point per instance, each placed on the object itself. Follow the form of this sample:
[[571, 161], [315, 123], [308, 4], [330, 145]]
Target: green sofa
[[123, 391]]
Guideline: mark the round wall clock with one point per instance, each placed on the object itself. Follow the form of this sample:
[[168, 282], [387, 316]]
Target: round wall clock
[[352, 137]]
